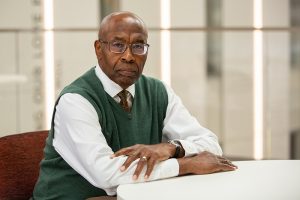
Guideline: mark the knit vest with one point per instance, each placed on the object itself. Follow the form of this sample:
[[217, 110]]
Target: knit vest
[[143, 125]]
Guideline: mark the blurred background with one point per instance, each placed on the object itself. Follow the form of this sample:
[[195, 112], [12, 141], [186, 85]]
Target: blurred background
[[234, 63]]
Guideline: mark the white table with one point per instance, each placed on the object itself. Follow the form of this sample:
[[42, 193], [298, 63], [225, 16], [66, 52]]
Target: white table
[[253, 180]]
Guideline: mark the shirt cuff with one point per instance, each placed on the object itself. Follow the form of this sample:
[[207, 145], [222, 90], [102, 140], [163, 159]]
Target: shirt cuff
[[189, 148], [165, 169], [170, 168]]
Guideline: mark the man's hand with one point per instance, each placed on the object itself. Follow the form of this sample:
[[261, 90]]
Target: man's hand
[[204, 163], [147, 154]]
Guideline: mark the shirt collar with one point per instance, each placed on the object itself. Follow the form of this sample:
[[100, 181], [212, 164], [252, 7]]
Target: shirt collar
[[109, 86]]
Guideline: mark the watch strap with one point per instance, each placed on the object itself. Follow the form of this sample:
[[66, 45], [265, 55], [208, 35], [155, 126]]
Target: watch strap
[[177, 148]]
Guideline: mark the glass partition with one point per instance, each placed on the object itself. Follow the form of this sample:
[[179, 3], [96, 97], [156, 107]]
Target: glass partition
[[243, 86]]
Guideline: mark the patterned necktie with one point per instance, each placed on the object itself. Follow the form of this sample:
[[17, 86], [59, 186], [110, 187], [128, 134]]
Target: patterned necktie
[[124, 103]]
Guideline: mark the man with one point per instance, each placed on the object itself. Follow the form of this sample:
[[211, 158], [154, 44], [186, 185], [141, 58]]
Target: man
[[109, 124]]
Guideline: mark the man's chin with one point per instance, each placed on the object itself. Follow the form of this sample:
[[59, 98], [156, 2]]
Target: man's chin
[[125, 82]]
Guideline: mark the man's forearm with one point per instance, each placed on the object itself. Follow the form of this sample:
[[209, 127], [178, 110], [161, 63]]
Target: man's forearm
[[183, 166]]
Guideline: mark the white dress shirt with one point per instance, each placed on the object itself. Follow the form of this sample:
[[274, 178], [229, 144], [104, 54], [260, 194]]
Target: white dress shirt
[[79, 141]]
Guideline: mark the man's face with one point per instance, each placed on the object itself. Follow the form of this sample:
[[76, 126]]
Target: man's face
[[122, 68]]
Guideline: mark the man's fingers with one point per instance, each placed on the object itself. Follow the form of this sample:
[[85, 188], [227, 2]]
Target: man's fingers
[[231, 164], [226, 161], [150, 166], [138, 151], [226, 167], [142, 162], [124, 151], [128, 162]]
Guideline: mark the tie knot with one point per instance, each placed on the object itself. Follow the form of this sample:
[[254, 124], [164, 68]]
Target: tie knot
[[124, 94]]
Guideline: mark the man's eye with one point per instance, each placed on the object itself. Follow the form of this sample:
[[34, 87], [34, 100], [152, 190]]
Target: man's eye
[[118, 44], [138, 46]]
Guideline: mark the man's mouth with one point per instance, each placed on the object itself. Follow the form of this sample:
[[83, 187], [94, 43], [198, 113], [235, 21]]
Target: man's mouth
[[127, 73]]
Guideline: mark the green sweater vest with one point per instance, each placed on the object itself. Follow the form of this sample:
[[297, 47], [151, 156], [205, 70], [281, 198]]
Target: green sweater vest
[[143, 125]]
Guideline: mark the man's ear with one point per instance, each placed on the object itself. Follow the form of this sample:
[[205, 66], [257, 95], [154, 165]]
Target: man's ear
[[98, 50]]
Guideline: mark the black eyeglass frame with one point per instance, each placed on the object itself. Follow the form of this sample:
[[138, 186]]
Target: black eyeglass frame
[[144, 44]]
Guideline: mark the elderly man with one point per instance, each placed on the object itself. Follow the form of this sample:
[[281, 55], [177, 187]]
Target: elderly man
[[110, 126]]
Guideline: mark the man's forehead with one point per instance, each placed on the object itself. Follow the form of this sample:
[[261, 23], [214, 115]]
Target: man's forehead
[[124, 22], [125, 27], [141, 37]]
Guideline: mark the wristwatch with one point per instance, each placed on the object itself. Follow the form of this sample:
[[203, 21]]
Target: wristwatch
[[177, 146]]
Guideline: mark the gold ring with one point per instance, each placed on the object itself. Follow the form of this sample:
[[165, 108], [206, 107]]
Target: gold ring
[[144, 157]]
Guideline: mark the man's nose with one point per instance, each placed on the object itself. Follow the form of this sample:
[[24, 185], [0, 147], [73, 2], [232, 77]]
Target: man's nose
[[127, 56]]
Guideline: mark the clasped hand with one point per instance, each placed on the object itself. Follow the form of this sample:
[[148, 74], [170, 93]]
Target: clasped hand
[[147, 154], [202, 163]]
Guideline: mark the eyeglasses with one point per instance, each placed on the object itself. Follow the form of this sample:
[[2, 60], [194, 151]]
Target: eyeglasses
[[120, 47]]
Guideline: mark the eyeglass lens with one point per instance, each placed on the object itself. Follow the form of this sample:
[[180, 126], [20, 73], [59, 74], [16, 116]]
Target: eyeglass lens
[[120, 47]]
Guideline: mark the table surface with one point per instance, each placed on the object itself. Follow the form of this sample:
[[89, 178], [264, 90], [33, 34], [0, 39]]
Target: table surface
[[266, 179]]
